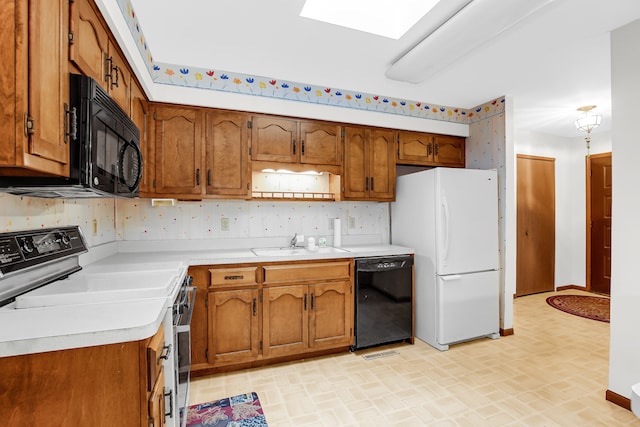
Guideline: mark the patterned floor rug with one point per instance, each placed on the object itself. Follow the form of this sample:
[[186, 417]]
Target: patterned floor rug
[[596, 308], [243, 410]]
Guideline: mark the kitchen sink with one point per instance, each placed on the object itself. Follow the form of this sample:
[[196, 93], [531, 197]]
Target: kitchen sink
[[101, 287], [297, 251]]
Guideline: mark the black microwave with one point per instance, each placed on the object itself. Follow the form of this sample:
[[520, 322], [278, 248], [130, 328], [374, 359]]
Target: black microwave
[[105, 156]]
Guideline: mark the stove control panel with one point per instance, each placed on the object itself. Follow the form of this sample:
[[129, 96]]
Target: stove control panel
[[24, 249]]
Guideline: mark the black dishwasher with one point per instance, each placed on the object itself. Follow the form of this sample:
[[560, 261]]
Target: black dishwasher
[[383, 300]]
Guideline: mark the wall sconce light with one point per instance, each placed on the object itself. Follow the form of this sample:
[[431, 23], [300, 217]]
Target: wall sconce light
[[587, 121]]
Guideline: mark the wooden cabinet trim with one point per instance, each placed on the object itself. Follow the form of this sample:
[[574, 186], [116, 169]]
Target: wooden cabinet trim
[[296, 273]]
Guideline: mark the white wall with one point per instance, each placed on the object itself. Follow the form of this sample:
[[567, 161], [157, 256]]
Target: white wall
[[624, 358]]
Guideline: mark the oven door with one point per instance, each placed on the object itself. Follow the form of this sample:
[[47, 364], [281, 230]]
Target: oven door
[[182, 340]]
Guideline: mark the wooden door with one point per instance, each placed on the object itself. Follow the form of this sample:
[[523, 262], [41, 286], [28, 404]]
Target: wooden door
[[355, 163], [139, 115], [449, 151], [227, 152], [415, 148], [90, 44], [285, 323], [233, 326], [320, 143], [178, 149], [274, 139], [331, 316], [535, 260], [48, 79], [119, 78], [599, 192], [382, 168]]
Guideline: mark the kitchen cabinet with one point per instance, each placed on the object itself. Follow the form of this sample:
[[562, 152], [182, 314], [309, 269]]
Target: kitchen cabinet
[[93, 51], [228, 172], [101, 386], [140, 115], [178, 142], [369, 164], [303, 142], [425, 149], [199, 153], [233, 314], [302, 317], [264, 312], [34, 87]]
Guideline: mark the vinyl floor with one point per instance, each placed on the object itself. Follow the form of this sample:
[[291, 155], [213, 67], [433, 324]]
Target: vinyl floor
[[552, 372]]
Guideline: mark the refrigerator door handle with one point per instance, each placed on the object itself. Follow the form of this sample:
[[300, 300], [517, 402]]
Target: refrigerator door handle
[[445, 205], [450, 277]]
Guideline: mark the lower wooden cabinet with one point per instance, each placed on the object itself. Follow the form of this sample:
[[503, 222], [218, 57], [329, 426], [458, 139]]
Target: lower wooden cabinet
[[256, 313], [110, 385]]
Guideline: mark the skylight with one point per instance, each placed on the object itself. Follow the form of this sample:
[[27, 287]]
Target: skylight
[[387, 18]]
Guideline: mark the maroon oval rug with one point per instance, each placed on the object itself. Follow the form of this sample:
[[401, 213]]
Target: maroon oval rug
[[596, 308]]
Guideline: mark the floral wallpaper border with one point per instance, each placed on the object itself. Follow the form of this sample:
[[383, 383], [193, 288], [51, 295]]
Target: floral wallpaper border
[[214, 79]]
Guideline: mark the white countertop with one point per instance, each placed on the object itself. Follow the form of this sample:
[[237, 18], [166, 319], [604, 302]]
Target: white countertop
[[39, 329]]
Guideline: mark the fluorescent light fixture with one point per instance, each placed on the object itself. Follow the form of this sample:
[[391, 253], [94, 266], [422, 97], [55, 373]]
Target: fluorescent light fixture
[[475, 24], [387, 18], [286, 171]]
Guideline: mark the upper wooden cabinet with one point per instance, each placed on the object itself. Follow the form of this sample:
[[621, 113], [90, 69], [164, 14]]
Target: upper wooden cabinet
[[283, 140], [178, 142], [34, 86], [95, 53], [369, 164], [227, 154], [200, 153], [140, 116], [425, 149]]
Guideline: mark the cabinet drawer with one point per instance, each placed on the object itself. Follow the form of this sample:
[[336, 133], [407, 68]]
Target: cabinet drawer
[[234, 276], [155, 356], [295, 273]]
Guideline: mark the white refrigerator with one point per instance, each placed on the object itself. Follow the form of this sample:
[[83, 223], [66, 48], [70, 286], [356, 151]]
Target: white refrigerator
[[450, 217]]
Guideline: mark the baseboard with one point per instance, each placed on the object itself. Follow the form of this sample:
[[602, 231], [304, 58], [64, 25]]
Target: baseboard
[[618, 400], [576, 287], [506, 332]]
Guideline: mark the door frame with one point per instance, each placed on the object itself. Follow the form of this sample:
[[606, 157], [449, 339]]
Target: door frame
[[588, 216]]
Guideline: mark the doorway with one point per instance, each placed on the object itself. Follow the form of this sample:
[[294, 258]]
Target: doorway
[[535, 225], [599, 189]]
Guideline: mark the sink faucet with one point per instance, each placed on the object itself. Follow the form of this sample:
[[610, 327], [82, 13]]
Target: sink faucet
[[294, 240]]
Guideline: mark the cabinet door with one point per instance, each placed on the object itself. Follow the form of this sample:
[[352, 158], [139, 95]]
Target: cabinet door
[[139, 115], [156, 417], [274, 139], [89, 46], [285, 327], [227, 148], [233, 326], [119, 78], [382, 168], [48, 79], [449, 150], [415, 148], [178, 147], [320, 143], [356, 171], [331, 315]]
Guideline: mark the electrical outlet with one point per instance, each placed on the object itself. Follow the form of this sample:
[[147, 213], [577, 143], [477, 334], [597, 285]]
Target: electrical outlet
[[330, 223], [224, 224], [352, 222], [95, 227]]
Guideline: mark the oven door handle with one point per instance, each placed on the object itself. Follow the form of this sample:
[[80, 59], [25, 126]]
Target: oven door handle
[[185, 320]]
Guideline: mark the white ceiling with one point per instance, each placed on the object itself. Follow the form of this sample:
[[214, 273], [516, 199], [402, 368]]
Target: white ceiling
[[551, 63]]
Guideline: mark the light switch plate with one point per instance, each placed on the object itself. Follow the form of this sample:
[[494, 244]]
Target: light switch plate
[[352, 222], [224, 224]]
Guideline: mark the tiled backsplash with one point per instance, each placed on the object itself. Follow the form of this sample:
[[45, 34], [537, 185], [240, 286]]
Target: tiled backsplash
[[212, 219], [25, 213]]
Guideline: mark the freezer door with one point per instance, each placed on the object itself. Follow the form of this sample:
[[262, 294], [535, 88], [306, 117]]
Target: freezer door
[[466, 220], [467, 306]]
